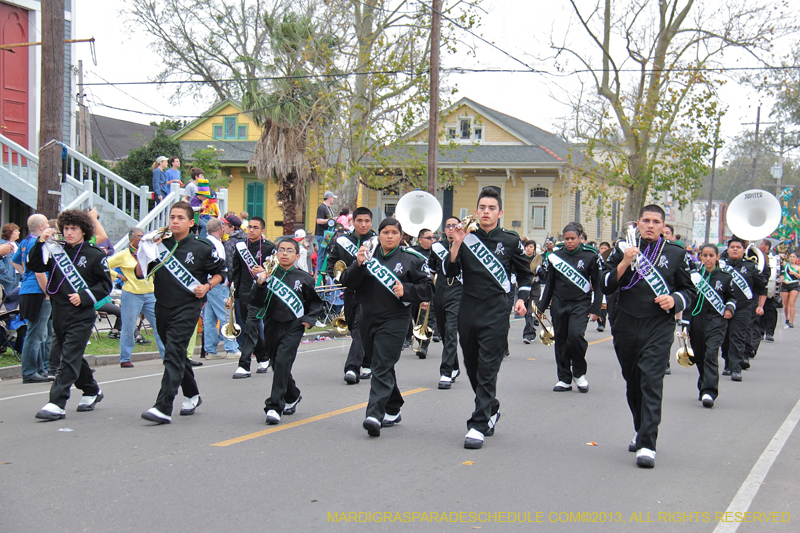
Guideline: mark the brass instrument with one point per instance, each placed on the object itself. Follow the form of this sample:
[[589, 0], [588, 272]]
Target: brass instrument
[[629, 231], [547, 335], [58, 238], [418, 210], [159, 234], [469, 223], [231, 330], [338, 268], [682, 356], [371, 245], [536, 262], [271, 264], [422, 332], [339, 324], [328, 288], [756, 256]]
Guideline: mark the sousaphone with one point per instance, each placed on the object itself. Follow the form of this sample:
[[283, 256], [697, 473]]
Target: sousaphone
[[418, 210]]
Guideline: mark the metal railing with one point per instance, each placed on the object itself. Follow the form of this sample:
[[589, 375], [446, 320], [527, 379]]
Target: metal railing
[[19, 169]]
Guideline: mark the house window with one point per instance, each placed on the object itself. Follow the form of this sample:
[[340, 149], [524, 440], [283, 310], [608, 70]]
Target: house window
[[540, 192], [478, 134], [614, 220], [599, 221], [464, 128], [451, 133], [578, 206], [242, 132], [218, 131], [230, 127]]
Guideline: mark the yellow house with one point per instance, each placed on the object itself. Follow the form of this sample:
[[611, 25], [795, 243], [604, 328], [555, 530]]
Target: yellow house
[[529, 166], [234, 135]]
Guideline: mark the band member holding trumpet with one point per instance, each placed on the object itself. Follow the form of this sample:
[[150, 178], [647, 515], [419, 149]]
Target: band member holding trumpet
[[184, 268], [423, 248], [715, 306], [288, 305], [573, 277], [214, 311], [388, 279], [446, 301], [345, 248], [750, 288], [247, 264], [78, 277], [486, 258], [652, 276]]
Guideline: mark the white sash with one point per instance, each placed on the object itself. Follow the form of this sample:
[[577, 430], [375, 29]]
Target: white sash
[[439, 249], [488, 260], [287, 296], [385, 276], [708, 292], [653, 277], [245, 254], [178, 271], [348, 245], [738, 280], [570, 273], [66, 266]]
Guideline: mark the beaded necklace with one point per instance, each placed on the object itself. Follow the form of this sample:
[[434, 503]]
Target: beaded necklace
[[52, 273], [701, 299], [652, 255], [263, 311], [168, 257]]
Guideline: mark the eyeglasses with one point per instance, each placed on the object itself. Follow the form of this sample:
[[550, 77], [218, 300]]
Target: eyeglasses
[[426, 238], [286, 250], [254, 227], [451, 226]]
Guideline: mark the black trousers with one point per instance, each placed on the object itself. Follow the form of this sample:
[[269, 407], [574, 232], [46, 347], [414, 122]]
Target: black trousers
[[251, 341], [643, 349], [602, 317], [737, 340], [529, 331], [412, 322], [706, 334], [282, 340], [447, 300], [611, 309], [175, 327], [569, 325], [383, 337], [483, 331], [357, 356], [764, 324], [72, 327]]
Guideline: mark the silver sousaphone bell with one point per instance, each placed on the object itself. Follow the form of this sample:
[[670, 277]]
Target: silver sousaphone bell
[[418, 210]]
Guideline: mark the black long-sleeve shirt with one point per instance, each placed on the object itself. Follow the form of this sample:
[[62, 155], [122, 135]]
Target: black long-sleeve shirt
[[241, 276], [299, 281], [88, 260], [748, 270], [722, 283], [341, 247], [585, 262]]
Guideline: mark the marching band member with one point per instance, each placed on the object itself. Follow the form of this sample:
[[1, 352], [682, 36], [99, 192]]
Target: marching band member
[[766, 323], [247, 264], [386, 285], [486, 259], [78, 278], [423, 248], [184, 268], [529, 331], [446, 302], [289, 304], [603, 316], [345, 248], [750, 288], [790, 288], [644, 320], [715, 306], [573, 277]]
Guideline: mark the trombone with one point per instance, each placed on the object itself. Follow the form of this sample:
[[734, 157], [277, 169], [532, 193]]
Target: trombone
[[338, 268], [685, 353], [231, 330], [421, 332], [547, 335]]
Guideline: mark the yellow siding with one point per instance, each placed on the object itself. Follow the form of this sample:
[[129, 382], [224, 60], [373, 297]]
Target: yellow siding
[[204, 131], [491, 131], [236, 192]]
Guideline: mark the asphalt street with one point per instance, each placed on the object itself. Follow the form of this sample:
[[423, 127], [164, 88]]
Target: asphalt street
[[559, 459]]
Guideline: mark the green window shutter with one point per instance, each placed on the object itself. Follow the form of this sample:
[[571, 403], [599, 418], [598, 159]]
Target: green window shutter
[[255, 199]]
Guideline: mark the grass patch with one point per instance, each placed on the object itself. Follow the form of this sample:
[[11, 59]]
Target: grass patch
[[8, 359], [106, 346]]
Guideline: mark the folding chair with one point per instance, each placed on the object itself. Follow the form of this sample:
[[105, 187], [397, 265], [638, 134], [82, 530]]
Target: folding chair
[[331, 306]]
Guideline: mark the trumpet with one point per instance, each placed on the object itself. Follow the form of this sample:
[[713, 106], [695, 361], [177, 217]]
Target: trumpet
[[231, 330], [339, 324], [469, 223], [57, 238], [629, 231], [547, 335], [422, 332], [271, 264], [371, 245], [685, 353], [160, 234]]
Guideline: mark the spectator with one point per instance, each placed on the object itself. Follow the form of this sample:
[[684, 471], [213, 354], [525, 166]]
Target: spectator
[[214, 313], [9, 277], [173, 174], [100, 237], [324, 214], [344, 218], [190, 196], [190, 190], [107, 306], [208, 204], [232, 226], [302, 257], [244, 216], [160, 188]]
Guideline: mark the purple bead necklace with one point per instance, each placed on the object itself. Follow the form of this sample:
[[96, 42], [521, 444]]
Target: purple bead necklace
[[52, 273], [651, 252]]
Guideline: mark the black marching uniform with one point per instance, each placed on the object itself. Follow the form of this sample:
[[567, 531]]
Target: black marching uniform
[[346, 250], [707, 329], [736, 348], [529, 331], [385, 319], [73, 324], [572, 302], [251, 342], [765, 324], [643, 332], [283, 330], [483, 318], [177, 310], [431, 258], [446, 301]]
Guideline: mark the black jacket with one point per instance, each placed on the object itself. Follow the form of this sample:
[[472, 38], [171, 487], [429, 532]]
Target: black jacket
[[91, 263], [749, 271], [437, 266], [376, 300], [337, 252], [586, 261], [722, 283], [479, 283], [302, 283], [241, 275], [638, 301]]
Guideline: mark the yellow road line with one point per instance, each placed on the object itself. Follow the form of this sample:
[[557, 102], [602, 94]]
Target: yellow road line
[[308, 420], [601, 340]]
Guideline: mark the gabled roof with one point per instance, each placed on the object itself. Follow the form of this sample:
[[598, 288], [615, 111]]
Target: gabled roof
[[114, 138], [216, 108], [228, 152]]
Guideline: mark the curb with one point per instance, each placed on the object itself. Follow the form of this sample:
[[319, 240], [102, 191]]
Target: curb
[[15, 371]]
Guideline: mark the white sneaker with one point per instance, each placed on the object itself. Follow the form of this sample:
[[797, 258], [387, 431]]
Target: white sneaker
[[240, 373], [350, 377], [366, 373], [445, 382], [233, 355], [390, 420], [582, 383], [645, 458], [319, 324], [273, 417], [562, 387], [262, 367], [708, 401], [632, 445], [154, 415], [473, 440], [454, 374], [189, 403]]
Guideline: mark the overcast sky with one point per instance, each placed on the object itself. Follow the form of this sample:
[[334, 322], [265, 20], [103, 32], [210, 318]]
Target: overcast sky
[[519, 27]]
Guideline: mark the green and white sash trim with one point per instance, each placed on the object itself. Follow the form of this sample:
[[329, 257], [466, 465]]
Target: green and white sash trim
[[439, 249], [176, 268], [287, 296], [245, 254], [67, 268], [738, 280], [569, 272], [708, 292], [488, 260], [348, 245], [653, 277], [384, 276]]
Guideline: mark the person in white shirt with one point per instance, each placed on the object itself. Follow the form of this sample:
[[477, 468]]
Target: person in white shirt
[[214, 313], [302, 256]]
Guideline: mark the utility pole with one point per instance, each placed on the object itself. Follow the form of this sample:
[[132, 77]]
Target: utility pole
[[433, 121], [52, 107], [711, 188], [757, 148], [84, 130]]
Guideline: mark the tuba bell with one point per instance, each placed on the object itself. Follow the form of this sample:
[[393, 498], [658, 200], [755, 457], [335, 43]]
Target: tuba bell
[[231, 329], [685, 353], [418, 210], [753, 214]]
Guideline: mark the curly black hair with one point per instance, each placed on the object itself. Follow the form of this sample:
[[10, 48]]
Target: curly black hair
[[76, 217]]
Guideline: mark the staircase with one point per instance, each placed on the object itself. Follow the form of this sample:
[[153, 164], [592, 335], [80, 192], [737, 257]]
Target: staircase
[[121, 205]]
